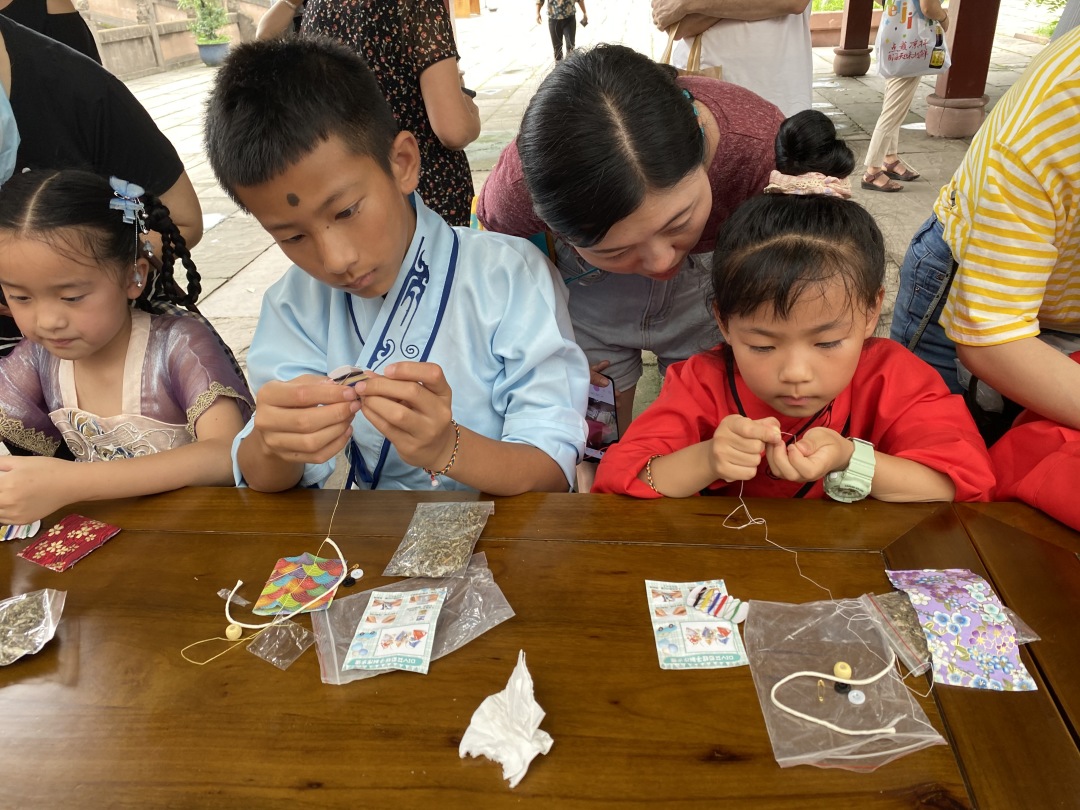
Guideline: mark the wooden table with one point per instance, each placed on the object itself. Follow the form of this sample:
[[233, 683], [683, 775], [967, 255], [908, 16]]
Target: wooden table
[[110, 714]]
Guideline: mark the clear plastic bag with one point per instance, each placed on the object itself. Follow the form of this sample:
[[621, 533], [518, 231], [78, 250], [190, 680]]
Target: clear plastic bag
[[27, 622], [281, 643], [783, 641], [440, 540], [898, 622], [1024, 633], [474, 604]]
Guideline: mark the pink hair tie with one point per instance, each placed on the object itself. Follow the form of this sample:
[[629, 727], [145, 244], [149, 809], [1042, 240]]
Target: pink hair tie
[[809, 183]]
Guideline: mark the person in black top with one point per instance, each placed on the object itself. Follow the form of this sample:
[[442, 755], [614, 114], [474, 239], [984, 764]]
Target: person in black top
[[56, 19], [411, 50], [71, 113]]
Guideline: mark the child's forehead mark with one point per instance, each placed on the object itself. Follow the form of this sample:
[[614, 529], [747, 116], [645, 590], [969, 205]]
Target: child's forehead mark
[[292, 199]]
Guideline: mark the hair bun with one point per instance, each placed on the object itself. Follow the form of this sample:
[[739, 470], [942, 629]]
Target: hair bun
[[807, 142]]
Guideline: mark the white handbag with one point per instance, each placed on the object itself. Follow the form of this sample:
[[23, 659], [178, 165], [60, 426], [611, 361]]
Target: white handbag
[[908, 44]]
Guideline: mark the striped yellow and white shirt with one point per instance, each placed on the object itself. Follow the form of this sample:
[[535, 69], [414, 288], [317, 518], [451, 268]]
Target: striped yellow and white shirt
[[1011, 213]]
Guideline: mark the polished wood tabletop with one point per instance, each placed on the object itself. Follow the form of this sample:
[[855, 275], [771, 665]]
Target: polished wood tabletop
[[108, 713]]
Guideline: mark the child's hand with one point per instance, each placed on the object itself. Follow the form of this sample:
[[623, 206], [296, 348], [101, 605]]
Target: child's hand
[[411, 406], [812, 457], [32, 487], [306, 420], [738, 443]]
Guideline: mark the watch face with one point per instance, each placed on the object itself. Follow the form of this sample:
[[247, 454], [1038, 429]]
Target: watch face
[[842, 493], [836, 489]]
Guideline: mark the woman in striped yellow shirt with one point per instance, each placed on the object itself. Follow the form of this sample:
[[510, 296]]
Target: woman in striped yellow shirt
[[993, 277]]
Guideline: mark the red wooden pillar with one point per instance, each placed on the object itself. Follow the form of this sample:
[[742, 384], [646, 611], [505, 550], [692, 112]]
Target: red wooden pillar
[[853, 56], [956, 107]]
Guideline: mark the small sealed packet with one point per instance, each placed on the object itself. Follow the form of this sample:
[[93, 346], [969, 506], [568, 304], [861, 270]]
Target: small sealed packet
[[893, 614], [281, 643], [689, 634], [68, 542], [440, 540], [396, 631], [27, 622]]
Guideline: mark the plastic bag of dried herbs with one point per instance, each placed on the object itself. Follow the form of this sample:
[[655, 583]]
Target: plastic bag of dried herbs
[[27, 622], [440, 540]]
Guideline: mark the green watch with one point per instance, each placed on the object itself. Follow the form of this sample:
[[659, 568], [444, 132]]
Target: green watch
[[853, 482]]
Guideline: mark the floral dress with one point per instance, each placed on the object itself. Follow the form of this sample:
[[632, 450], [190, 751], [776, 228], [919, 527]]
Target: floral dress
[[174, 370], [400, 40]]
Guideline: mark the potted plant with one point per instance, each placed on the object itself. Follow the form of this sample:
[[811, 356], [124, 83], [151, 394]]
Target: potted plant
[[210, 17]]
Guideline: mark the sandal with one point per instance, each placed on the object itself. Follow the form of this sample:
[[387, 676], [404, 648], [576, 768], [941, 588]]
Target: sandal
[[907, 175], [869, 184]]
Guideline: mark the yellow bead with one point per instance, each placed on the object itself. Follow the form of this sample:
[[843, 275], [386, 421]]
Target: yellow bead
[[842, 670], [233, 632]]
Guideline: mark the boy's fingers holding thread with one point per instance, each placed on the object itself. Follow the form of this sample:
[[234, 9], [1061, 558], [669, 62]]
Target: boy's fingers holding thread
[[304, 392], [429, 375], [312, 447]]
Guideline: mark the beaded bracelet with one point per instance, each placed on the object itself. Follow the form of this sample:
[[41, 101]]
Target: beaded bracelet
[[648, 473], [453, 456]]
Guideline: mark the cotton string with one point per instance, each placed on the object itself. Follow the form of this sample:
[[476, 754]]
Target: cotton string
[[281, 617], [756, 521], [822, 676]]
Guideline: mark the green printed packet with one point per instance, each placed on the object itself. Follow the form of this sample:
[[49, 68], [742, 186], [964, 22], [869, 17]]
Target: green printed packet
[[687, 637], [396, 631]]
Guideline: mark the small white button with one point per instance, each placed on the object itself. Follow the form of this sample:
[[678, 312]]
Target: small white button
[[856, 697]]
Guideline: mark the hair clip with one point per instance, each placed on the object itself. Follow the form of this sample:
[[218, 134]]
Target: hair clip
[[690, 98], [126, 198]]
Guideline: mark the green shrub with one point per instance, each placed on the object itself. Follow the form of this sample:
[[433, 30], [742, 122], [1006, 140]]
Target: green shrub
[[210, 17]]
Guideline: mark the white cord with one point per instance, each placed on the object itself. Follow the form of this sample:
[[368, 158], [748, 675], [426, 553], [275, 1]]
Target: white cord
[[822, 676], [282, 617]]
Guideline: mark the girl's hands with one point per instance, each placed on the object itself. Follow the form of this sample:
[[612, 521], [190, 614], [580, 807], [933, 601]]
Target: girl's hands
[[812, 457], [32, 487], [411, 406], [738, 444]]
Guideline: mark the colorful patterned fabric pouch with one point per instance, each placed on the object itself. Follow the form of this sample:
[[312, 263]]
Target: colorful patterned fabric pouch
[[972, 642]]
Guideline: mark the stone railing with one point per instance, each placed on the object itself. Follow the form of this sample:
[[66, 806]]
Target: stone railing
[[140, 37]]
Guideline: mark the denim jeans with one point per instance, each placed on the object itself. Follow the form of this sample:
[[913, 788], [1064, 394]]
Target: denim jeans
[[925, 276]]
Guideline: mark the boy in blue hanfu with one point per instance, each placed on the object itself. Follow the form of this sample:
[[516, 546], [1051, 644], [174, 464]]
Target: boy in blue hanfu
[[477, 381]]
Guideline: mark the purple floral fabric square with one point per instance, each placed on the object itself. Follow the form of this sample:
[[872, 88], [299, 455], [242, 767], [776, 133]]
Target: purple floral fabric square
[[972, 642]]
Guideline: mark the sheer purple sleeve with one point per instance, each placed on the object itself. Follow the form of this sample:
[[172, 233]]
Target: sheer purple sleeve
[[186, 371], [24, 411]]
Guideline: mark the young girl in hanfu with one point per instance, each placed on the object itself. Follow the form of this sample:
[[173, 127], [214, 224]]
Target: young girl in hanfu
[[801, 401], [115, 382]]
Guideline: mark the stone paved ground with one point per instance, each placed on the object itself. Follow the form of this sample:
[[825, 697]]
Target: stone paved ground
[[505, 55]]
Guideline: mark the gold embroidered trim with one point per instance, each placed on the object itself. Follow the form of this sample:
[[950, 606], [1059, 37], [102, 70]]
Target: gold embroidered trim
[[206, 399], [35, 441]]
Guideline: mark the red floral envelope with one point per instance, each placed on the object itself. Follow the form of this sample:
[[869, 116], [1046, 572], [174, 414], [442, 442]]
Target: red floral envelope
[[68, 542]]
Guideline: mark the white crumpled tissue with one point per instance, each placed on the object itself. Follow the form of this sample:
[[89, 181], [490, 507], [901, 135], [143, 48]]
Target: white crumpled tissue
[[506, 726]]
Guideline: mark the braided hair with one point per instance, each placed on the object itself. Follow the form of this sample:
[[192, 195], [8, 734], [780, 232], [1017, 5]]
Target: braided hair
[[173, 245], [41, 204]]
